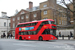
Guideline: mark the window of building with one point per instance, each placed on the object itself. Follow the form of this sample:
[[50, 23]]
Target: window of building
[[4, 23], [62, 22], [45, 5], [59, 21], [13, 19], [34, 15], [13, 25], [18, 18], [55, 21], [22, 17], [45, 18], [9, 24], [22, 12], [45, 12], [65, 22], [13, 33], [27, 16]]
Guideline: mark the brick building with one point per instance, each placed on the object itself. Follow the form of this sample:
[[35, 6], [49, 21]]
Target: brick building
[[30, 14], [51, 10], [71, 14]]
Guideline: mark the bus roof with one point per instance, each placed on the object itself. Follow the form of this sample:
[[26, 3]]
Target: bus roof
[[36, 21]]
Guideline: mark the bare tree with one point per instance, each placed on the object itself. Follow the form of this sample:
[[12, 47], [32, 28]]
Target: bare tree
[[71, 10]]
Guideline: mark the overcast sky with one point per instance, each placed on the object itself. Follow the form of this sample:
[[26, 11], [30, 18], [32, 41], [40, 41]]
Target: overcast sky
[[10, 6]]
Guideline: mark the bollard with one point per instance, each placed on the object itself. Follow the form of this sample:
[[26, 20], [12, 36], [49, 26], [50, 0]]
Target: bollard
[[62, 37], [68, 37]]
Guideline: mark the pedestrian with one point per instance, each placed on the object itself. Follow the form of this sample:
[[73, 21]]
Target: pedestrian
[[4, 35], [71, 35], [59, 34], [9, 35]]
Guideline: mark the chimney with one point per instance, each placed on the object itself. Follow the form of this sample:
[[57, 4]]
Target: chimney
[[30, 5], [4, 14]]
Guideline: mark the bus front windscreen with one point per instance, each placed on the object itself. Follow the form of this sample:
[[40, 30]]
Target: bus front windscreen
[[51, 22]]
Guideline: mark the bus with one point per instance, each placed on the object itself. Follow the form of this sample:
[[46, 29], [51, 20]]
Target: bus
[[36, 30]]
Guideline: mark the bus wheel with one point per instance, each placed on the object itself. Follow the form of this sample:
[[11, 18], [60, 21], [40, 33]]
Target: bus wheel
[[40, 38], [20, 38]]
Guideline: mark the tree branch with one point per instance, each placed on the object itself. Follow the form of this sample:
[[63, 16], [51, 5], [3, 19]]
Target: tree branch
[[70, 2], [63, 1]]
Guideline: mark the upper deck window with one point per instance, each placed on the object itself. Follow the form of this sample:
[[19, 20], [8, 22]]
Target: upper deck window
[[45, 22], [30, 24], [33, 24], [52, 22]]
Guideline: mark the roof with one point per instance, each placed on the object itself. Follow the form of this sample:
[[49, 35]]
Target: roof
[[36, 21]]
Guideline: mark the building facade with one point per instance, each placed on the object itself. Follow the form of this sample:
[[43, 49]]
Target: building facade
[[70, 13], [24, 16], [46, 10], [4, 24], [51, 10]]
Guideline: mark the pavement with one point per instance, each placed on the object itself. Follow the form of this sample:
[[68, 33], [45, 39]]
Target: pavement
[[65, 38], [12, 44]]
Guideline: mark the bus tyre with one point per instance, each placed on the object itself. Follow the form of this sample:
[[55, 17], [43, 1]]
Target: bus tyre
[[20, 38], [40, 38]]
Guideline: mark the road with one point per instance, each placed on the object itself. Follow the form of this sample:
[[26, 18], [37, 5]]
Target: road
[[12, 44]]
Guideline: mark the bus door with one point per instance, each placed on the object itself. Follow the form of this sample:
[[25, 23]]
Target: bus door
[[46, 34]]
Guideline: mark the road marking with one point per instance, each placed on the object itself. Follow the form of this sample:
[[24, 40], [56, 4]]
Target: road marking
[[24, 49], [28, 45], [65, 47]]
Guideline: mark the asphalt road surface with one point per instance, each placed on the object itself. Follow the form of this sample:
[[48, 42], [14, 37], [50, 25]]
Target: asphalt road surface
[[12, 44]]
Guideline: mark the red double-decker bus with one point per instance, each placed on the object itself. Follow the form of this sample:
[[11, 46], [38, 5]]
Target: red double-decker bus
[[36, 30]]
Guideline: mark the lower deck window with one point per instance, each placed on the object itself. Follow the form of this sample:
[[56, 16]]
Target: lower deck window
[[28, 33]]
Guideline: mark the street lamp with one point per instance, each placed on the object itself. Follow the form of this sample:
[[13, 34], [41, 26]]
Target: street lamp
[[7, 25]]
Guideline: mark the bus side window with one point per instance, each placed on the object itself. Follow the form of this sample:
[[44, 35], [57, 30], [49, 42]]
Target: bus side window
[[18, 26], [29, 32], [32, 24], [26, 25], [22, 33], [22, 25], [19, 33], [45, 22]]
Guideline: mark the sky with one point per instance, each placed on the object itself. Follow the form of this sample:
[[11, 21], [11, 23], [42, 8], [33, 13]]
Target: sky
[[10, 6]]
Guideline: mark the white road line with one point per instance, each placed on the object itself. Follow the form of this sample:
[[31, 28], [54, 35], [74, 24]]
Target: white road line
[[28, 45], [65, 47]]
